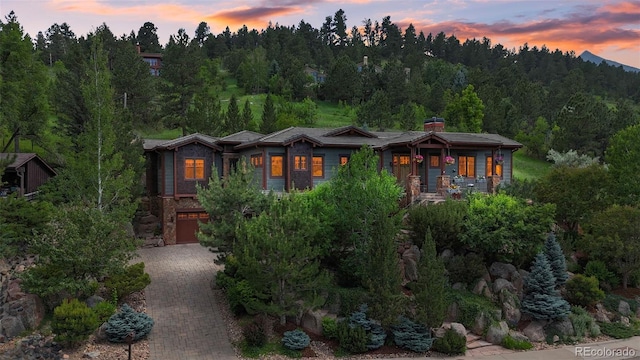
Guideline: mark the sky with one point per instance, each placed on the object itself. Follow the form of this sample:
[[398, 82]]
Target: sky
[[610, 29]]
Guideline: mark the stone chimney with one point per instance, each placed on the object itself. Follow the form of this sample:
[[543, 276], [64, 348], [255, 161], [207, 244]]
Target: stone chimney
[[365, 60], [138, 47], [434, 124]]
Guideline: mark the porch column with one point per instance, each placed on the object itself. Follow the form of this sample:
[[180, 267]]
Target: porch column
[[442, 184], [492, 183], [413, 188]]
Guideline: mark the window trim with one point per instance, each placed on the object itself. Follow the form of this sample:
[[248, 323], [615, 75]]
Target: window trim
[[271, 156], [305, 163], [195, 169], [431, 164], [256, 158], [467, 165], [321, 157]]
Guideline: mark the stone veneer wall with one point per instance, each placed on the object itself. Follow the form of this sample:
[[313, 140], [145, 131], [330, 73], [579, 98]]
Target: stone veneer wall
[[492, 183], [170, 208]]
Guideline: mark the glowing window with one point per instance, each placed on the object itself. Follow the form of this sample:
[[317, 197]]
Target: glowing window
[[194, 169], [256, 160], [434, 161], [276, 165], [299, 163], [317, 166], [467, 166]]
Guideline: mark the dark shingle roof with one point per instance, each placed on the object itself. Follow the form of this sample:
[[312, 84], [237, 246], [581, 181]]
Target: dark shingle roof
[[23, 158], [152, 144]]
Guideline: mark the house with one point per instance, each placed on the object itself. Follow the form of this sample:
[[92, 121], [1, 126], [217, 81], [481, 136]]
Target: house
[[24, 175], [318, 75], [153, 59], [365, 63], [302, 158]]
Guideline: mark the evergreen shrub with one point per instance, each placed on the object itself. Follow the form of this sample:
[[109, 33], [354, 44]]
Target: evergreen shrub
[[515, 344], [556, 258], [254, 334], [451, 343], [376, 333], [329, 328], [612, 301], [470, 306], [295, 340], [583, 323], [73, 322], [353, 339], [132, 279], [104, 310], [584, 290], [465, 268], [126, 321], [242, 298], [541, 300], [412, 336], [599, 269], [618, 330]]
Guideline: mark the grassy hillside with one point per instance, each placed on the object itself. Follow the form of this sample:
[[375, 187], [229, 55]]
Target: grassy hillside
[[528, 168]]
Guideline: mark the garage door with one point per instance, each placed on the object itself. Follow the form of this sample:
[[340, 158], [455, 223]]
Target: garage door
[[187, 226]]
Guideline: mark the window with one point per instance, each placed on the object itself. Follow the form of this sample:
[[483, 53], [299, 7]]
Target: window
[[299, 163], [434, 161], [194, 169], [489, 166], [344, 159], [276, 165], [467, 166], [401, 160], [317, 166], [256, 160]]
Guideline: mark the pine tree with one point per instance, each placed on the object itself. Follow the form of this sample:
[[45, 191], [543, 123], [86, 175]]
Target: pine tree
[[232, 118], [429, 291], [541, 299], [269, 117], [247, 116], [556, 259]]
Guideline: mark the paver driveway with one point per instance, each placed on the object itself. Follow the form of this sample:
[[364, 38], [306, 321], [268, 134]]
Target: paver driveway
[[188, 325]]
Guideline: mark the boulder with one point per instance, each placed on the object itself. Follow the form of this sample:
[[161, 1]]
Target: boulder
[[501, 284], [624, 308], [480, 323], [602, 314], [410, 269], [93, 300], [100, 333], [535, 331], [511, 314], [501, 270], [312, 321], [453, 312], [482, 288], [516, 335], [497, 332], [518, 283], [148, 219], [625, 321], [11, 326], [562, 327], [446, 254], [459, 328], [459, 286], [32, 310], [14, 292]]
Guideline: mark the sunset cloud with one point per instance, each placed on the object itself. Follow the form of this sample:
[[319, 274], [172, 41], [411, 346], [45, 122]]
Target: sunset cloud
[[610, 29]]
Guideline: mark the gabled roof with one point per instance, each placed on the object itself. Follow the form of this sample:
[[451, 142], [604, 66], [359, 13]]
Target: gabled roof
[[240, 137], [151, 144], [23, 158], [350, 130]]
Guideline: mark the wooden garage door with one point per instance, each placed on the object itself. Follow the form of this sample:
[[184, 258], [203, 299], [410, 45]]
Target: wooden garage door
[[187, 226]]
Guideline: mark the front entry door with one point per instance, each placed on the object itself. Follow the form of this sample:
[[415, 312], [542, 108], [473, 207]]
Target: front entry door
[[300, 162], [401, 167]]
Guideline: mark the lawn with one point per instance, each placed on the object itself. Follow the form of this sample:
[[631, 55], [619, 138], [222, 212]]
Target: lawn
[[528, 168]]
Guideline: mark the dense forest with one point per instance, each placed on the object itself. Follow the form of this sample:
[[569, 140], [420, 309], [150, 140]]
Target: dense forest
[[543, 98]]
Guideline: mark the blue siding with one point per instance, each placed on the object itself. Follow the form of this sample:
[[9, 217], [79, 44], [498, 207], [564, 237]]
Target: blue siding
[[331, 162], [168, 173], [275, 184]]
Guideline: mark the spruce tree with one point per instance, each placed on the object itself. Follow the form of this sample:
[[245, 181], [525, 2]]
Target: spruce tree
[[247, 116], [556, 259], [541, 299], [269, 117], [429, 290], [233, 120]]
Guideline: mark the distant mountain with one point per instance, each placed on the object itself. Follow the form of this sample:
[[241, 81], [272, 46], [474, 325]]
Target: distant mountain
[[587, 56]]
